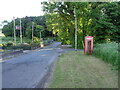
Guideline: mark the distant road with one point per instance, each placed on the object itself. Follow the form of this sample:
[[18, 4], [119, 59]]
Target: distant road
[[27, 70]]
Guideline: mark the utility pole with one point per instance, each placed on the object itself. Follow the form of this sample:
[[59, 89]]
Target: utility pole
[[20, 32], [40, 35], [75, 28], [14, 31], [32, 30]]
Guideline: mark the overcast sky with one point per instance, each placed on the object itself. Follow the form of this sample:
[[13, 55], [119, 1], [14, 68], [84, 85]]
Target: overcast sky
[[19, 8]]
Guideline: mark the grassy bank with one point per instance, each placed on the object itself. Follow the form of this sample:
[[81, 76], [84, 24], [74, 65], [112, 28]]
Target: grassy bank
[[76, 70], [107, 52], [7, 39]]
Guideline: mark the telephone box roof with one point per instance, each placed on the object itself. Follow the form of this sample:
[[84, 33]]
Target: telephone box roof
[[88, 37]]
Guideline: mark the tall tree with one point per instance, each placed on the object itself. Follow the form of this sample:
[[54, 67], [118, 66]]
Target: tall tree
[[94, 19], [26, 27]]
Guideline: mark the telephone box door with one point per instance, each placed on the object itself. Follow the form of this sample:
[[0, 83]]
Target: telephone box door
[[88, 45]]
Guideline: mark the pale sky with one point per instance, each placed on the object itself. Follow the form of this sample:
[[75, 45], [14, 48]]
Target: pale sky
[[19, 8]]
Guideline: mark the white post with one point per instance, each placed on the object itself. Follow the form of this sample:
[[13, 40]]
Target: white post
[[40, 35], [20, 32], [14, 31], [75, 29], [32, 30]]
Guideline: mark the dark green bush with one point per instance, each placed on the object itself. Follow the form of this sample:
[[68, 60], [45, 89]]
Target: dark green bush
[[9, 44], [25, 46], [55, 39], [21, 46], [33, 44], [47, 42], [4, 46]]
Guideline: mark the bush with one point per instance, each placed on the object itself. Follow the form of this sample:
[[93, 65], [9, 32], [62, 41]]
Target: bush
[[25, 46], [36, 40], [48, 41], [108, 52], [1, 45], [65, 42], [55, 39], [4, 46], [9, 44], [33, 44]]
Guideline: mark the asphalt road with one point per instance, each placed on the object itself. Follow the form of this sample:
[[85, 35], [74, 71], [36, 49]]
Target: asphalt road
[[27, 70]]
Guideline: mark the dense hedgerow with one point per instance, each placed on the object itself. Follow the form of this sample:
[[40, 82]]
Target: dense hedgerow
[[107, 52]]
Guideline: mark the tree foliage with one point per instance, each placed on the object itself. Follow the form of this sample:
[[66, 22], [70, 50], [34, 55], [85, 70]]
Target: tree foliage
[[39, 24], [98, 19]]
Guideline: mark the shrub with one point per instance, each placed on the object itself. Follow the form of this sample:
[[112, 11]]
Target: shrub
[[1, 45], [55, 39], [48, 41], [25, 46], [4, 46], [33, 44], [9, 44], [36, 40], [66, 42]]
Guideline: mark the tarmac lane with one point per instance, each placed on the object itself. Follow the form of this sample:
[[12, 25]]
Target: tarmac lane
[[27, 70]]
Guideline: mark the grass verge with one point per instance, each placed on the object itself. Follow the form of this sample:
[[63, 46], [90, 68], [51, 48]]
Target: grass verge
[[7, 39], [76, 70]]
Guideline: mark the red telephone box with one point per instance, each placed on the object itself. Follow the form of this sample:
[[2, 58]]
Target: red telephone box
[[88, 45]]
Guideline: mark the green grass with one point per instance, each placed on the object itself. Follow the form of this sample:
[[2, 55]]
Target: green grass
[[7, 39], [107, 52], [76, 70]]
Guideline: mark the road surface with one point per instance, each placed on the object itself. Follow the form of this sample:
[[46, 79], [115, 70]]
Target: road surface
[[27, 70]]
